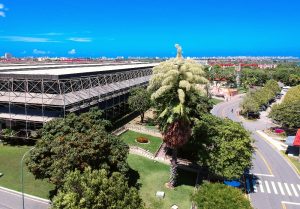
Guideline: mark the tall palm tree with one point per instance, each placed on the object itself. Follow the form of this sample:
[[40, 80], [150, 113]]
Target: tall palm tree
[[172, 85]]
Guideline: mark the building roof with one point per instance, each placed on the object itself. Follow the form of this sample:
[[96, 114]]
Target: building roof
[[65, 71]]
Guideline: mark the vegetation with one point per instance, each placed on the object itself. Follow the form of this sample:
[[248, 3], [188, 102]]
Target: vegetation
[[256, 99], [152, 176], [129, 137], [139, 100], [287, 113], [76, 142], [289, 74], [216, 101], [96, 190], [10, 159], [173, 84], [217, 73], [215, 196], [7, 132], [221, 145]]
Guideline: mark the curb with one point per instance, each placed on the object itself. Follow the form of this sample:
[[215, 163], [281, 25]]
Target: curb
[[292, 166], [270, 141], [26, 195]]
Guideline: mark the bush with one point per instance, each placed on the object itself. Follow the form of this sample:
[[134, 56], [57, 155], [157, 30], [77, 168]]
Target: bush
[[215, 196], [96, 189], [142, 140], [287, 113]]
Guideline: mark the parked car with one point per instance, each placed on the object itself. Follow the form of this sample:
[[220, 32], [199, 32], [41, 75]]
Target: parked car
[[254, 115]]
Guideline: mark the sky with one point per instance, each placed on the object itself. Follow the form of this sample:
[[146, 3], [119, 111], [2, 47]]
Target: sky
[[96, 28]]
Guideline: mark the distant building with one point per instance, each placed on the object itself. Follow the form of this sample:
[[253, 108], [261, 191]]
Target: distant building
[[8, 56]]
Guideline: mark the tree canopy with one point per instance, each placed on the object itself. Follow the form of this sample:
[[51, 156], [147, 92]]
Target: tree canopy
[[139, 100], [216, 195], [287, 113], [221, 145], [255, 99], [96, 189], [76, 142]]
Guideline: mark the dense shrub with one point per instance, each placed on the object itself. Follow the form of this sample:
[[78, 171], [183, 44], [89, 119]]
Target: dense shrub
[[216, 196]]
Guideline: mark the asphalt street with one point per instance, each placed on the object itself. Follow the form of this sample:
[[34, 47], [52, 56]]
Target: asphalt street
[[277, 185], [13, 200]]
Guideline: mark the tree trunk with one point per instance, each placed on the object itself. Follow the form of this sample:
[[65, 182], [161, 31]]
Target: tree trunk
[[173, 171], [142, 117]]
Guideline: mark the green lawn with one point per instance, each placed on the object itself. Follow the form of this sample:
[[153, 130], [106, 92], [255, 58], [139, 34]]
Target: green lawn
[[153, 176], [130, 136], [10, 158], [216, 101]]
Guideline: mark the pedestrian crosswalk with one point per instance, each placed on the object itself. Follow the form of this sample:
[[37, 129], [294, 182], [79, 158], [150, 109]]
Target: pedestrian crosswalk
[[275, 187]]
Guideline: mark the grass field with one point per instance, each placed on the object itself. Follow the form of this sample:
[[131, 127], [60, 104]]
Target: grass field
[[130, 136], [216, 101], [153, 176], [10, 158]]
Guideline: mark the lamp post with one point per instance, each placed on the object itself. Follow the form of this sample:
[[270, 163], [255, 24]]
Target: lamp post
[[22, 177]]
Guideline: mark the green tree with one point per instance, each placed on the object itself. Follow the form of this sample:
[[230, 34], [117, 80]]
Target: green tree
[[221, 145], [139, 100], [172, 85], [216, 196], [96, 189], [287, 113], [76, 142]]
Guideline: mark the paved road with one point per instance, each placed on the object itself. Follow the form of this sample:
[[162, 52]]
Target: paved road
[[278, 185], [13, 200]]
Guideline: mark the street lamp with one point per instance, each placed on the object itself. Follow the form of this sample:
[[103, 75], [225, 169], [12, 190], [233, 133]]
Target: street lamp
[[22, 178]]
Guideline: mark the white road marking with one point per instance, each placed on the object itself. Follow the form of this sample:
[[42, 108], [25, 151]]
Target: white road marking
[[290, 203], [281, 189], [288, 189], [255, 188], [294, 190], [298, 186], [260, 186], [268, 188], [274, 187], [261, 174]]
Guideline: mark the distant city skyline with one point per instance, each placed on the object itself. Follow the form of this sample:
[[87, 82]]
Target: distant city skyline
[[147, 28]]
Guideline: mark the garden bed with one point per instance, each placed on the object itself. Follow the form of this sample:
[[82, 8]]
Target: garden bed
[[130, 138]]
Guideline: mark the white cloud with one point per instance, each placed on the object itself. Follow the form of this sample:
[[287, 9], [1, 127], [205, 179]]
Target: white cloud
[[72, 51], [51, 34], [36, 51], [2, 13], [76, 39], [26, 39]]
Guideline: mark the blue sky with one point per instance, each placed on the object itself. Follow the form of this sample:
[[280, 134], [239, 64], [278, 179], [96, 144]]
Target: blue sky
[[94, 28]]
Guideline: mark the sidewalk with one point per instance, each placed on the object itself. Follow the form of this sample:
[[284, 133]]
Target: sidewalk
[[277, 144]]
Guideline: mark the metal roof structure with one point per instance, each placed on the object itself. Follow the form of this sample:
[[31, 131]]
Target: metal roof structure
[[64, 71], [38, 94]]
